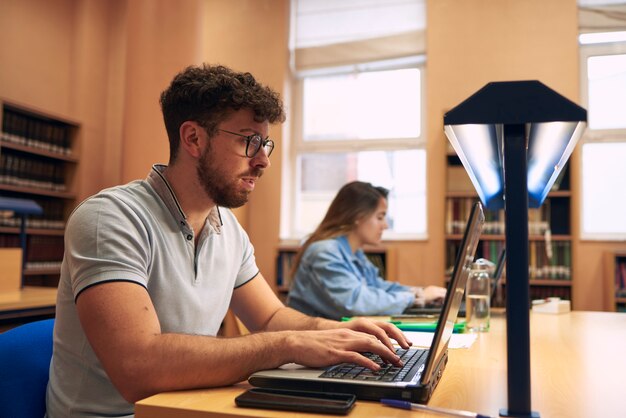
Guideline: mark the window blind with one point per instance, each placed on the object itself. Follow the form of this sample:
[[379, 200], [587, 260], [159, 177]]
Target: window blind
[[327, 33]]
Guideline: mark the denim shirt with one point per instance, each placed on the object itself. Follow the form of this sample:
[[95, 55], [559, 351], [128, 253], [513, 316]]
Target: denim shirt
[[333, 282]]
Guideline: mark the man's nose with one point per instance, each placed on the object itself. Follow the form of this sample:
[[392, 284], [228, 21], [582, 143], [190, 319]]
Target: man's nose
[[261, 159]]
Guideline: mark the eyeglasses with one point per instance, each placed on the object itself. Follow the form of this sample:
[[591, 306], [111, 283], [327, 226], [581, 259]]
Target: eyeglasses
[[254, 143]]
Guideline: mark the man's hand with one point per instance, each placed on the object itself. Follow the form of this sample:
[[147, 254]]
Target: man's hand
[[334, 346], [340, 342], [380, 329]]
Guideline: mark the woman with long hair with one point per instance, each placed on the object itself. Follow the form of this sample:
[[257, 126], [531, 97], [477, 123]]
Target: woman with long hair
[[332, 276]]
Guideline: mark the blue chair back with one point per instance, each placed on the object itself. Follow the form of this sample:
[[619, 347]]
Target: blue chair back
[[25, 354]]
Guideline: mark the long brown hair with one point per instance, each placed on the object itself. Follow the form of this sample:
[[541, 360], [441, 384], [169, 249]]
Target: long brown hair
[[355, 200]]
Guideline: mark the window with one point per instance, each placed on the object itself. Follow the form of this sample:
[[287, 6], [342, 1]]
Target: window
[[360, 125], [356, 117], [604, 194], [603, 65]]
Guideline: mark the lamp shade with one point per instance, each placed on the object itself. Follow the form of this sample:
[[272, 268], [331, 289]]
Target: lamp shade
[[20, 206], [552, 123]]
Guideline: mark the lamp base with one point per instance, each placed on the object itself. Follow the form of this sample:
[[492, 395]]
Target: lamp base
[[504, 412]]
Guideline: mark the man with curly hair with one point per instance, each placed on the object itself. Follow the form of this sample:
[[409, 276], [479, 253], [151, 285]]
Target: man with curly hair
[[151, 267]]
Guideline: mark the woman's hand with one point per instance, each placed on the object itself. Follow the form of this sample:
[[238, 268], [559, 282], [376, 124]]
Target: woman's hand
[[432, 295]]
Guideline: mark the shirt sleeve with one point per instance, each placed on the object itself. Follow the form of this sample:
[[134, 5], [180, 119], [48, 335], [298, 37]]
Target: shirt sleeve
[[342, 292], [105, 241]]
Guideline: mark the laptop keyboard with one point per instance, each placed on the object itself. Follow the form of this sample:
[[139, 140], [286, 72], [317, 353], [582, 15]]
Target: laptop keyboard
[[413, 360]]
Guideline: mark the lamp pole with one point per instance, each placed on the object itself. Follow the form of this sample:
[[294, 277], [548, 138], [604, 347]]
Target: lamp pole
[[517, 283], [497, 163]]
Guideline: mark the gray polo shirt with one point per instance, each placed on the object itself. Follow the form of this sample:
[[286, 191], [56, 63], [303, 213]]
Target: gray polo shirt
[[138, 233]]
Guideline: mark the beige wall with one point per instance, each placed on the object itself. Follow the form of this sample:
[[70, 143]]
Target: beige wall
[[162, 37], [36, 52], [252, 35], [105, 62]]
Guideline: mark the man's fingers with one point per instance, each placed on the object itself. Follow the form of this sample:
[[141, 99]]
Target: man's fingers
[[389, 331], [381, 330], [386, 354], [395, 333], [361, 360]]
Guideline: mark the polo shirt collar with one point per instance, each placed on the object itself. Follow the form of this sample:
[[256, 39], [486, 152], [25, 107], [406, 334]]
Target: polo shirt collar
[[159, 183]]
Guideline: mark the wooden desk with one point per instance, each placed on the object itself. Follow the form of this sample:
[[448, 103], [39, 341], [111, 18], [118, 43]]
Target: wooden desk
[[31, 301], [578, 370]]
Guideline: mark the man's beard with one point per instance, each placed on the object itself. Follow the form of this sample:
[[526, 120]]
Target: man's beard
[[216, 185]]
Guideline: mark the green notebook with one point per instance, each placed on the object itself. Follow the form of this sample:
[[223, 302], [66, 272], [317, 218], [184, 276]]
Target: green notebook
[[426, 326]]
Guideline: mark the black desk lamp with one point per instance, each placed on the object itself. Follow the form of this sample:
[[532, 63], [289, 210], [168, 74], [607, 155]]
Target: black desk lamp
[[21, 207], [513, 139]]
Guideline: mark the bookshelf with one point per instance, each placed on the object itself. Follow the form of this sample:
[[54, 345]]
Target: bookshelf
[[38, 161], [381, 257], [550, 239], [615, 281]]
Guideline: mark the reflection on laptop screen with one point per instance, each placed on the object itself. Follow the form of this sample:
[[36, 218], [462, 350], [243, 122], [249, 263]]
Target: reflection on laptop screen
[[456, 288]]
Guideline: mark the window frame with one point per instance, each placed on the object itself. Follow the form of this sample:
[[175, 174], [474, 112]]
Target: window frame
[[587, 51], [298, 146]]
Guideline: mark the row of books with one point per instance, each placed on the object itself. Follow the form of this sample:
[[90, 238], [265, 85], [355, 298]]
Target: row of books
[[536, 292], [39, 248], [487, 249], [25, 171], [550, 260], [33, 266], [23, 129], [620, 277], [458, 211], [544, 292], [547, 260], [284, 265], [13, 221]]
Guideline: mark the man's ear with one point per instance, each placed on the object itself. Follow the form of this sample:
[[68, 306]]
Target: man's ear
[[190, 138]]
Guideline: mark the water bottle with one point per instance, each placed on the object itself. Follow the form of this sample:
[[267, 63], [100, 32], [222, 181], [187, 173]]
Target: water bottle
[[477, 297]]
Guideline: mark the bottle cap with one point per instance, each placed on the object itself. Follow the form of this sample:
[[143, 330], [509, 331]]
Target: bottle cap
[[482, 264]]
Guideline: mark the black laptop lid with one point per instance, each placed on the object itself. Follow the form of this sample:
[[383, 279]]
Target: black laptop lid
[[456, 288]]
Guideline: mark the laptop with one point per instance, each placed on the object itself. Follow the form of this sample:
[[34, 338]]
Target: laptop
[[423, 368], [435, 309]]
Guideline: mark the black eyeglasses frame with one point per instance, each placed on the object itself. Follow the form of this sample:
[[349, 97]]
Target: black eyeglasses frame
[[267, 144]]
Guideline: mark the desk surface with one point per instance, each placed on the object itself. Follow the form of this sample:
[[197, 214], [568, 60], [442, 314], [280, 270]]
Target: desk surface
[[578, 363], [30, 298]]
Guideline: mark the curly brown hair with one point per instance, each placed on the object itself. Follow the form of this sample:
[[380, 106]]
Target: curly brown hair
[[208, 94]]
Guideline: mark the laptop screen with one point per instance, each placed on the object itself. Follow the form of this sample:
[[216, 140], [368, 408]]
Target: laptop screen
[[456, 288]]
